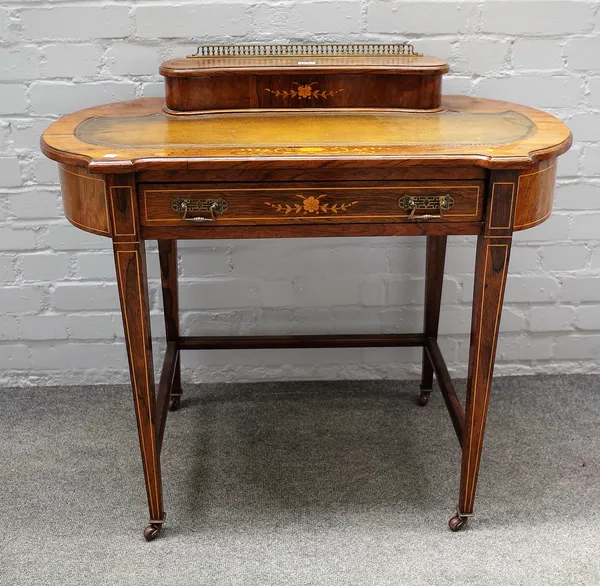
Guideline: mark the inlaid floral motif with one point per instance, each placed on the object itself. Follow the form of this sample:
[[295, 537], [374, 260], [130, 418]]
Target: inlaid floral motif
[[305, 91], [311, 205]]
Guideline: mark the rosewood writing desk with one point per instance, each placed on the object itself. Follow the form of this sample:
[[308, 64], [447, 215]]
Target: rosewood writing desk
[[274, 149]]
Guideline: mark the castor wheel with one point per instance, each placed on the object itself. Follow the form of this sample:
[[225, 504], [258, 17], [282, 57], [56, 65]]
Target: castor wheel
[[151, 532], [424, 398], [174, 403], [457, 522]]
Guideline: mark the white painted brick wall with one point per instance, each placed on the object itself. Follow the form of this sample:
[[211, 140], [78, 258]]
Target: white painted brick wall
[[74, 22], [59, 318]]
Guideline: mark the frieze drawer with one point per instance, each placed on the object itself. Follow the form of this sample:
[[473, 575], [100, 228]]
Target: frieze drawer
[[291, 203]]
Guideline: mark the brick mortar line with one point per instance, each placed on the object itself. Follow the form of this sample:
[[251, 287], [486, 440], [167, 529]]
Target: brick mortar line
[[29, 158]]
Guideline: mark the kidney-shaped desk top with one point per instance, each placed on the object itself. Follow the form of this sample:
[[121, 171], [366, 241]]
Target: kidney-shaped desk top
[[137, 135], [132, 172]]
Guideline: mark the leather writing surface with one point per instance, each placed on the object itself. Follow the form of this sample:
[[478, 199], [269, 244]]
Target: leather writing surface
[[301, 130], [468, 131]]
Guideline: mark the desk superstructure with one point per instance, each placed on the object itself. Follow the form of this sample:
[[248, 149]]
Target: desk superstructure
[[300, 143]]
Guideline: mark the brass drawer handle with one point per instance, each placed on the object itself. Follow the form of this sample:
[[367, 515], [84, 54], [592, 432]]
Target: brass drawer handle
[[212, 206], [426, 202]]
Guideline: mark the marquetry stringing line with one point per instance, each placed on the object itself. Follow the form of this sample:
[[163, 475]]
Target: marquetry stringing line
[[539, 220], [469, 489], [86, 228], [134, 377], [494, 349], [469, 494], [291, 189], [538, 172], [535, 222], [104, 232], [82, 176]]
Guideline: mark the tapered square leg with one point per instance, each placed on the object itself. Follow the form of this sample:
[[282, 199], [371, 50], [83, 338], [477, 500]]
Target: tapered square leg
[[130, 262], [132, 282], [434, 278], [167, 253], [493, 253]]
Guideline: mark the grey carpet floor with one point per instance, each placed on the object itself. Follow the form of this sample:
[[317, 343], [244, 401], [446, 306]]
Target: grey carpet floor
[[345, 483]]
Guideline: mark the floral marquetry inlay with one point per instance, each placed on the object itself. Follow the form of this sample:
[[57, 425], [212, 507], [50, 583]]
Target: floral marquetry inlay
[[311, 205], [304, 91]]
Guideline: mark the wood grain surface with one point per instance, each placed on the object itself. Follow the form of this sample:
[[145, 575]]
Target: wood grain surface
[[301, 202], [132, 282], [518, 138], [189, 95], [85, 199], [491, 270], [535, 195], [127, 168], [434, 280]]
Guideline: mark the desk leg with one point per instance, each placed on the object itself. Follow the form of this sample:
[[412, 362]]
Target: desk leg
[[130, 262], [434, 278], [491, 268], [167, 253]]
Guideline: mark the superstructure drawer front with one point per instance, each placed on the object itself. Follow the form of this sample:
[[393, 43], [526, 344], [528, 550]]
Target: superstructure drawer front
[[209, 204]]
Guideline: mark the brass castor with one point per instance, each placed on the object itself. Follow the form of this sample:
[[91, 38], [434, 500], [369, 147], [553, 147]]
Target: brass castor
[[457, 522], [151, 532], [424, 398], [174, 403]]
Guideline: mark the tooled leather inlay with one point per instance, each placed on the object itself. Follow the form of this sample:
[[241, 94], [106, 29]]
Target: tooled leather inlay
[[311, 132]]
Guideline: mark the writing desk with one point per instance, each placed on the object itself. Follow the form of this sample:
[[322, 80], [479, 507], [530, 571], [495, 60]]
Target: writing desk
[[131, 172]]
